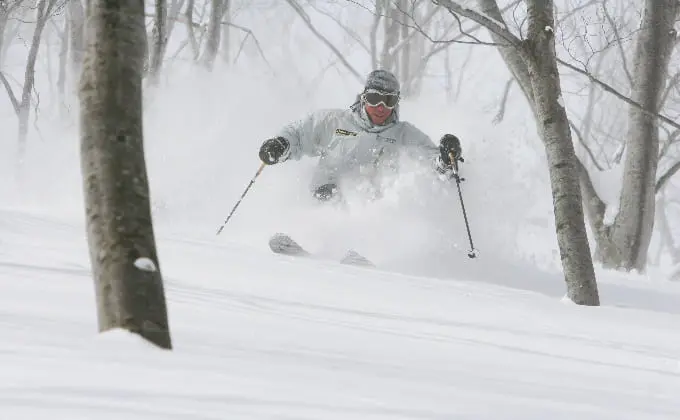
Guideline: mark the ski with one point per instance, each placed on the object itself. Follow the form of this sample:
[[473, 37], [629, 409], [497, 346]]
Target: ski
[[281, 243]]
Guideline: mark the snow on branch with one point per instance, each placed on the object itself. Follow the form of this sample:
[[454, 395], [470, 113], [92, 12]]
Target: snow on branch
[[491, 24]]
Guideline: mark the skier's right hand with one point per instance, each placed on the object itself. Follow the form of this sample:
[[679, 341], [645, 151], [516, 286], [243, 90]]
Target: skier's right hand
[[449, 145], [274, 150]]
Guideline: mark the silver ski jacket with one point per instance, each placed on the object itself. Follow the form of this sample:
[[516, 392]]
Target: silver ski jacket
[[349, 144]]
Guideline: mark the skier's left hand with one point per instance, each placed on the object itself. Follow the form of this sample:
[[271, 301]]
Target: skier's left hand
[[450, 145]]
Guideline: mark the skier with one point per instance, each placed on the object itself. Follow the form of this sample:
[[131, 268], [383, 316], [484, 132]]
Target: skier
[[361, 141]]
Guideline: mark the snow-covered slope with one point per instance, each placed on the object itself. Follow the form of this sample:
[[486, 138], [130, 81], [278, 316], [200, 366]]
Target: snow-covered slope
[[428, 335], [261, 336]]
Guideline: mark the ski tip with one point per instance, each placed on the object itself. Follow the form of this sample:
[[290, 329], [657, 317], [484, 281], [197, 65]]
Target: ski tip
[[354, 258], [281, 243]]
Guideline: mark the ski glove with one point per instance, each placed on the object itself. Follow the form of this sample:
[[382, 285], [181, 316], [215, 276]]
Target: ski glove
[[326, 192], [274, 150], [449, 144]]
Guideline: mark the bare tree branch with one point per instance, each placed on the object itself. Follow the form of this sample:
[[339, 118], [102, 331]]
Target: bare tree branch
[[618, 94], [582, 140], [593, 205], [461, 72], [10, 93], [504, 100], [663, 179], [672, 138], [498, 28], [249, 33], [308, 22], [356, 37], [619, 43], [672, 83]]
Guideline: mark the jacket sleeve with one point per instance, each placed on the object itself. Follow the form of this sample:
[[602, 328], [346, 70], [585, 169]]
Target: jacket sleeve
[[420, 146], [305, 135]]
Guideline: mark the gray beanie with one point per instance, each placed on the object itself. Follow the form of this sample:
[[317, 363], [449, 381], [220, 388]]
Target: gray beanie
[[383, 81]]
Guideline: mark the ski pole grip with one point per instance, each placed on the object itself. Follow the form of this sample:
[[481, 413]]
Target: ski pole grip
[[454, 164]]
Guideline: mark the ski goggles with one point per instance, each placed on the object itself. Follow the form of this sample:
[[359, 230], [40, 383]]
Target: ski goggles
[[376, 97]]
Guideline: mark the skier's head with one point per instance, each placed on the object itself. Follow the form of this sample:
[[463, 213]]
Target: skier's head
[[380, 95]]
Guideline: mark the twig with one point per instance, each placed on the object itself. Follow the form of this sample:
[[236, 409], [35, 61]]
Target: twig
[[618, 94], [356, 37], [582, 140], [252, 35], [663, 179], [504, 100], [491, 24]]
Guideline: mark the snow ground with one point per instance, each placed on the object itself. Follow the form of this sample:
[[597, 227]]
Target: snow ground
[[260, 336]]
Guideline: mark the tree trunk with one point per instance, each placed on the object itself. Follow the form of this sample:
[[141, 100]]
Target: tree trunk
[[666, 233], [553, 126], [44, 9], [4, 16], [173, 15], [387, 60], [405, 56], [63, 58], [191, 33], [373, 35], [159, 39], [226, 32], [214, 28], [632, 229], [76, 20], [129, 286]]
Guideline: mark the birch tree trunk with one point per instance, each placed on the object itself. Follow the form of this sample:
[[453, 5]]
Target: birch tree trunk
[[632, 229], [553, 127], [129, 286]]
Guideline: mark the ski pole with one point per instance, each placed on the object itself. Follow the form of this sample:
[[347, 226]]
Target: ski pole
[[472, 253], [252, 181]]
